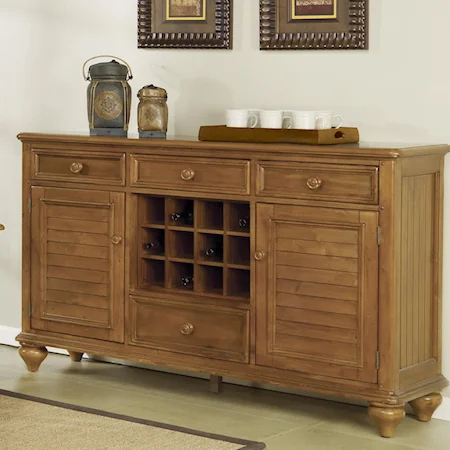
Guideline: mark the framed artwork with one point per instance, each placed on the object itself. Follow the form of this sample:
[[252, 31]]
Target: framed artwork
[[184, 24], [313, 24]]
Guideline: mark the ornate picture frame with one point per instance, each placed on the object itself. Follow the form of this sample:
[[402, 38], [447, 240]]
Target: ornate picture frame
[[185, 24], [314, 24]]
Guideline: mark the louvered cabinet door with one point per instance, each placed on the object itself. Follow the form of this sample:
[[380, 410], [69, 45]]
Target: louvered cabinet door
[[317, 293], [77, 263]]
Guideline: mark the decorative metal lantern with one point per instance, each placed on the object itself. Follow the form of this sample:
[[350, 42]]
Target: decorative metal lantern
[[153, 113], [108, 97]]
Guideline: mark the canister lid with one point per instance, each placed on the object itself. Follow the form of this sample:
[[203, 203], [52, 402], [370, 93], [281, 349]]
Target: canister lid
[[152, 91], [112, 69]]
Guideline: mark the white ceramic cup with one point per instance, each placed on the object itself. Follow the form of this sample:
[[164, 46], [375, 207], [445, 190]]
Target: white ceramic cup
[[241, 118], [304, 120], [274, 119], [324, 120]]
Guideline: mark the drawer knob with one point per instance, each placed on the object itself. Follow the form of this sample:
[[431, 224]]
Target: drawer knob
[[187, 174], [2, 227], [314, 183], [259, 255], [187, 328], [116, 240], [76, 167]]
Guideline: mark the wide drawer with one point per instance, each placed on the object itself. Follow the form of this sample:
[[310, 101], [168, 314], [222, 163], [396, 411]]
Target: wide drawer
[[199, 174], [79, 167], [202, 330], [338, 183]]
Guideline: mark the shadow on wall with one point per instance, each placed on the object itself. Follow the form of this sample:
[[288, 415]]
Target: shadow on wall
[[201, 101]]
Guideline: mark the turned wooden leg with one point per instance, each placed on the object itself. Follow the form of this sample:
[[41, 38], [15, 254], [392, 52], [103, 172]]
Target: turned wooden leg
[[33, 356], [75, 356], [215, 384], [425, 406], [386, 417]]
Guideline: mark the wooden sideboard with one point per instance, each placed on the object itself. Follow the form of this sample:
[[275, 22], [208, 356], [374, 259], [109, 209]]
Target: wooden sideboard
[[317, 268]]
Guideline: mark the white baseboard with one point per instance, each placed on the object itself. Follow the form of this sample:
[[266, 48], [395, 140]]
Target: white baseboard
[[443, 412], [8, 337]]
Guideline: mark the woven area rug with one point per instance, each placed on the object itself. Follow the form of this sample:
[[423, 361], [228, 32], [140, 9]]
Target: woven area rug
[[30, 423]]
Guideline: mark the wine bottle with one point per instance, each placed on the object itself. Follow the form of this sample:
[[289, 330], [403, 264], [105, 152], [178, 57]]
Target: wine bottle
[[214, 252], [187, 280], [244, 222], [186, 218], [154, 245]]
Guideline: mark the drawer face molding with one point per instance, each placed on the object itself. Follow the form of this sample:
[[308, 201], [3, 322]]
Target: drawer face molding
[[340, 183], [78, 167], [209, 331], [194, 174]]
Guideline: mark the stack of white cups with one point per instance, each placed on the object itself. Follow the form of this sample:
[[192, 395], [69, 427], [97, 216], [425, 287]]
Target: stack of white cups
[[301, 120]]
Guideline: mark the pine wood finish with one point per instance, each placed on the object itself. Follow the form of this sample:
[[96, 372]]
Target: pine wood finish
[[197, 174], [386, 417], [311, 267], [425, 406], [33, 356], [318, 182], [75, 356]]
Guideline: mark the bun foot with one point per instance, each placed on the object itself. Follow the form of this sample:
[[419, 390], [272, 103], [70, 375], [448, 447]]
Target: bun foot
[[75, 356], [386, 417], [425, 406], [33, 356]]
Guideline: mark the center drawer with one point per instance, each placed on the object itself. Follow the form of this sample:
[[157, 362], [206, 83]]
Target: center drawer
[[196, 174], [201, 330]]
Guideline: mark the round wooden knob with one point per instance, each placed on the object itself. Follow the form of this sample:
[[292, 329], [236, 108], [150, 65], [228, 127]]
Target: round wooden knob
[[187, 328], [314, 183], [76, 167], [2, 227], [259, 255], [116, 240], [187, 174]]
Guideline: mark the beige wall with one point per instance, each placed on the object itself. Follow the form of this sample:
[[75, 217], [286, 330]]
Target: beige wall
[[399, 90]]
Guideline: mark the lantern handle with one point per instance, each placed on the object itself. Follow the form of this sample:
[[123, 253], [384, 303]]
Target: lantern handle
[[88, 77]]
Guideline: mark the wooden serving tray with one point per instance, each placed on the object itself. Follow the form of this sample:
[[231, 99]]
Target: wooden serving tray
[[269, 135]]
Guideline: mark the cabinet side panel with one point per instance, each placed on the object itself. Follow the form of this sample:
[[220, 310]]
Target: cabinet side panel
[[418, 288]]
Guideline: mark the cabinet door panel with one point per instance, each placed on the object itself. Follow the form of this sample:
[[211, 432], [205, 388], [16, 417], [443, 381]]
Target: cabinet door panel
[[77, 272], [317, 291]]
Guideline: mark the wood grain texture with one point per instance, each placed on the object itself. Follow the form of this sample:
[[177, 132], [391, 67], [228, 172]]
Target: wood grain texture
[[107, 169], [208, 175], [337, 182], [339, 338], [190, 329], [417, 287], [70, 287], [323, 289]]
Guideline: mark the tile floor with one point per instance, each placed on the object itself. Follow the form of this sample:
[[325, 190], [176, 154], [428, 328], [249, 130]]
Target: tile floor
[[282, 421]]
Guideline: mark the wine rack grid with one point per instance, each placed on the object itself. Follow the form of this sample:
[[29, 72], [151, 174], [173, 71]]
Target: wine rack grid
[[182, 246]]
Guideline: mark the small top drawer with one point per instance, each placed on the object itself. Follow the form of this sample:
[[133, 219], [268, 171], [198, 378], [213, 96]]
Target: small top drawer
[[336, 183], [199, 174], [79, 167]]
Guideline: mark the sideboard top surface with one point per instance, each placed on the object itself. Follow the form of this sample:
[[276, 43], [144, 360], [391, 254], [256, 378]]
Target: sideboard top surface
[[371, 150]]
